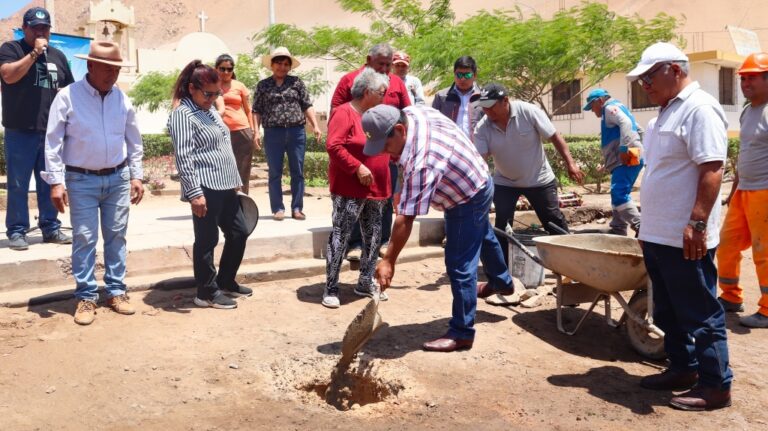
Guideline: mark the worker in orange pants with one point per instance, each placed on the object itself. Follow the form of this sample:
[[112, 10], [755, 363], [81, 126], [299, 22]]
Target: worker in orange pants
[[746, 223]]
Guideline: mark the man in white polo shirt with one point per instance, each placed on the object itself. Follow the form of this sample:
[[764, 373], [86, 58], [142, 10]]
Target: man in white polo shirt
[[685, 150]]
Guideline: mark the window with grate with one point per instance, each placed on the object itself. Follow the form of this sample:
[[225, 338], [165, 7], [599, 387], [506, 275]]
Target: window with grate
[[564, 98], [640, 98], [727, 86]]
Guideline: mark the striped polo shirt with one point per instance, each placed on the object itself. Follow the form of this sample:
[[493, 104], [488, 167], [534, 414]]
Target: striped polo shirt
[[441, 166], [203, 148]]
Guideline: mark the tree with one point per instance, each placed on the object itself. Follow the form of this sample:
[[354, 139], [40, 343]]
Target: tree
[[530, 56]]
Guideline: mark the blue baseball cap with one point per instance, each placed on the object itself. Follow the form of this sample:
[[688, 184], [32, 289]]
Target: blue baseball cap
[[594, 94]]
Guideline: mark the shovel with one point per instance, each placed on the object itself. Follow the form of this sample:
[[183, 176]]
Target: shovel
[[362, 328]]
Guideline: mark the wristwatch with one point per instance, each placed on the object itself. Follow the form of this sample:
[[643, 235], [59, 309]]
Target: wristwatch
[[698, 225]]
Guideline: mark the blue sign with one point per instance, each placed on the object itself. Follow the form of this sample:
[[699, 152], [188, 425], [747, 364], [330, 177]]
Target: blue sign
[[69, 45]]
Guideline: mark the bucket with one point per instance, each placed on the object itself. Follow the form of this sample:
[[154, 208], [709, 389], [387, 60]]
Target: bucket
[[522, 267]]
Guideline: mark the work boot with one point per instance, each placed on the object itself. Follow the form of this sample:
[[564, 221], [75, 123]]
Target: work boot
[[670, 381], [756, 320], [85, 312], [58, 237], [702, 398], [18, 242], [731, 307], [120, 305]]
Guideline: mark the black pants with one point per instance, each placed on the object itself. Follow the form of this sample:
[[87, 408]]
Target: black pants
[[543, 199], [223, 212]]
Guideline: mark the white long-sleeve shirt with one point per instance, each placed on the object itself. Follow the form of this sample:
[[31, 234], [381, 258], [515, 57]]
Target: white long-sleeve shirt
[[92, 133]]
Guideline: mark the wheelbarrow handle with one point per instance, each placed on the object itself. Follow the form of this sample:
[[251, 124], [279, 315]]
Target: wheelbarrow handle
[[519, 245]]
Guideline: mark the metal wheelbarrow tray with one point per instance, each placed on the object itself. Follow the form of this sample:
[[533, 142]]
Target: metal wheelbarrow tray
[[602, 266]]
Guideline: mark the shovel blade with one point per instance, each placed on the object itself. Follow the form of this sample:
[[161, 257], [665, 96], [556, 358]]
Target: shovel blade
[[362, 328]]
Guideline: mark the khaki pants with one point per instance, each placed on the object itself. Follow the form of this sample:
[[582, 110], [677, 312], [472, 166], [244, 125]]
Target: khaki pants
[[746, 224]]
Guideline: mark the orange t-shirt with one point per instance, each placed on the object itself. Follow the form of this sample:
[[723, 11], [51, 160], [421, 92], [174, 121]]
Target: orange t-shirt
[[234, 115]]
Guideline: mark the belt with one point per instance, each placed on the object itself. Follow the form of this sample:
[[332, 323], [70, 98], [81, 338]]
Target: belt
[[99, 172]]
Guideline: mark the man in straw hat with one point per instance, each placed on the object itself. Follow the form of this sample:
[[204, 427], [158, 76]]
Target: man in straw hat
[[96, 150], [31, 73], [685, 149]]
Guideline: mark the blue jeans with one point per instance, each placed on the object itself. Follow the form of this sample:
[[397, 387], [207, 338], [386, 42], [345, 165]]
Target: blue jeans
[[277, 142], [92, 197], [686, 309], [25, 154], [623, 177], [469, 238]]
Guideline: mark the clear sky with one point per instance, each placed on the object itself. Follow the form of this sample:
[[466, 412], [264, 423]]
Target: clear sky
[[9, 7]]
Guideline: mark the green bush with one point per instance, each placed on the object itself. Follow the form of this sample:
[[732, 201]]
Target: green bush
[[581, 138], [158, 144], [587, 155], [733, 154], [315, 167]]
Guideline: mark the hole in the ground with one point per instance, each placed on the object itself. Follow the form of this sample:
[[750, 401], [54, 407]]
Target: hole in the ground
[[355, 387]]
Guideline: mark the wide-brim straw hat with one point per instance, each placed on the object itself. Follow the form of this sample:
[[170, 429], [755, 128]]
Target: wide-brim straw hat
[[105, 52], [280, 51]]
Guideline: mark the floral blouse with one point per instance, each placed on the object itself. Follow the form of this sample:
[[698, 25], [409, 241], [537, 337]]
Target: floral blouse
[[281, 106]]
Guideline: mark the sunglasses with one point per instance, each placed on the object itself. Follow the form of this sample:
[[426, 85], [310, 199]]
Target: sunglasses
[[226, 69], [647, 78], [210, 94], [465, 75]]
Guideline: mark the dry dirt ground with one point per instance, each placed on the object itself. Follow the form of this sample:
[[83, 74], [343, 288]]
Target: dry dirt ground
[[173, 366]]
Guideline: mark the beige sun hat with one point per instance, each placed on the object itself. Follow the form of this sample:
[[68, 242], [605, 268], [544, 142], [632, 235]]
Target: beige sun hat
[[105, 52], [280, 51]]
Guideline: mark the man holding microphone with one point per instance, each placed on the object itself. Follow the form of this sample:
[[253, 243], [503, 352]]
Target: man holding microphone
[[31, 73]]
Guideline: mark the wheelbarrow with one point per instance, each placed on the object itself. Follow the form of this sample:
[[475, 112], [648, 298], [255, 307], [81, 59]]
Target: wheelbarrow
[[601, 267]]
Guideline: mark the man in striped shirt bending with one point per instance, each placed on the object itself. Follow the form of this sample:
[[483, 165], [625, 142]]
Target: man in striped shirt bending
[[442, 169]]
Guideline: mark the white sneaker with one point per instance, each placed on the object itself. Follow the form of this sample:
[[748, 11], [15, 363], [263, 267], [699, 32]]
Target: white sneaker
[[382, 295], [331, 300]]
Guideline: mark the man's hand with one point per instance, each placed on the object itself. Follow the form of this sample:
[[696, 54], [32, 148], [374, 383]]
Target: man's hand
[[318, 134], [137, 191], [256, 142], [41, 44], [199, 207], [694, 243], [59, 197], [364, 175], [575, 173], [385, 270]]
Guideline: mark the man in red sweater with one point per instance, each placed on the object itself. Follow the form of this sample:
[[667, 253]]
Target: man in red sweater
[[379, 59]]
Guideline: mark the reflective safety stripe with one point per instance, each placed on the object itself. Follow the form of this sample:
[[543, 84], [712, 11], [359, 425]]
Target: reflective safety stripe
[[728, 280], [764, 290]]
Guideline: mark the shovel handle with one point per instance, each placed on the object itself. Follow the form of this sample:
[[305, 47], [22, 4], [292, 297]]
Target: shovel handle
[[558, 229], [519, 245]]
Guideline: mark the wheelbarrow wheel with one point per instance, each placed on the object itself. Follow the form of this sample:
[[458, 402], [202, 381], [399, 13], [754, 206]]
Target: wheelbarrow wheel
[[643, 341]]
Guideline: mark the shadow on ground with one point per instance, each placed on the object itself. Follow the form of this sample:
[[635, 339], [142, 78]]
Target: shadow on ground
[[594, 340], [392, 342], [616, 386]]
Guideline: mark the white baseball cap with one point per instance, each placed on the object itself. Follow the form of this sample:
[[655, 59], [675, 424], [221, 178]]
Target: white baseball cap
[[660, 52]]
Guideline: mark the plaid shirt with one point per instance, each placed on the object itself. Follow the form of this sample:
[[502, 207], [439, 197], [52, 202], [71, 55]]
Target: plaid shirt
[[441, 166]]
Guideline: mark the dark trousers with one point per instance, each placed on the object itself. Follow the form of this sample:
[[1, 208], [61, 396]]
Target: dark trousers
[[242, 146], [224, 212], [356, 239], [543, 200], [686, 309]]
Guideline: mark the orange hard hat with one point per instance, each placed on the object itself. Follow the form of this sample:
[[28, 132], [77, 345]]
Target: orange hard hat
[[755, 63]]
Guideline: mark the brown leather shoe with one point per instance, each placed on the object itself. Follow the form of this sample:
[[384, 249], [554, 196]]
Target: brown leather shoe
[[670, 381], [702, 398], [484, 290], [447, 344], [278, 215], [298, 215], [85, 312], [121, 305]]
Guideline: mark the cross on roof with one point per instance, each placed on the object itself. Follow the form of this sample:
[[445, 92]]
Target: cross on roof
[[203, 17]]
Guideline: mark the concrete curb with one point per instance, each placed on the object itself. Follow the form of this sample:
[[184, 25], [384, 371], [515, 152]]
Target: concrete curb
[[271, 271]]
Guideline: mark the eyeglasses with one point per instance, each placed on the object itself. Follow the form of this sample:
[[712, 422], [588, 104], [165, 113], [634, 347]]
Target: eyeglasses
[[226, 69], [464, 75], [381, 93], [210, 94], [647, 78]]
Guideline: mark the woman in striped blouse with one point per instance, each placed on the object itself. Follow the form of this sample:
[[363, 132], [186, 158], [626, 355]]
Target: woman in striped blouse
[[209, 182]]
